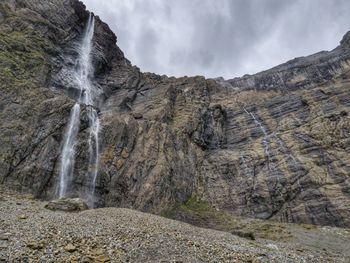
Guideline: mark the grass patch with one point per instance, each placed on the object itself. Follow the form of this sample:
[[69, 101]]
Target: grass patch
[[200, 213]]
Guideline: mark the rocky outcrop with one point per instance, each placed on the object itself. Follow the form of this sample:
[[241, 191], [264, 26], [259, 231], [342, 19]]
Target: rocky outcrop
[[274, 145], [304, 72], [67, 204]]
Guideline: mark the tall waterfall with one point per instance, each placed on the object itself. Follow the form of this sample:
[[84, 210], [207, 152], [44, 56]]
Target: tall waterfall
[[83, 74]]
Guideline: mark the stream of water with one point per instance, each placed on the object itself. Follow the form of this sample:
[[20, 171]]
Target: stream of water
[[83, 74], [266, 136]]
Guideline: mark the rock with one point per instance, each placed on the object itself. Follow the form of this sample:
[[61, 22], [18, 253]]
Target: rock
[[35, 245], [97, 252], [125, 153], [23, 216], [247, 235], [3, 244], [87, 259], [67, 204], [5, 236], [272, 246], [137, 115], [299, 73], [345, 42], [70, 248], [103, 258]]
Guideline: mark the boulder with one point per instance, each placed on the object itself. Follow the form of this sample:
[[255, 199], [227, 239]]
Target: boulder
[[67, 204]]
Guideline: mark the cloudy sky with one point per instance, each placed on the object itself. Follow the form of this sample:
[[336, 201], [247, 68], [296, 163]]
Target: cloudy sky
[[221, 37]]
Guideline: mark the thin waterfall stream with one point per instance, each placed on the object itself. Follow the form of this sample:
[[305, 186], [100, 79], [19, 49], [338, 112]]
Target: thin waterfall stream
[[83, 74], [67, 157], [266, 135]]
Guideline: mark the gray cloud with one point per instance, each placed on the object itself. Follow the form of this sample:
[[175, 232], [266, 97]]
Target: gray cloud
[[221, 38]]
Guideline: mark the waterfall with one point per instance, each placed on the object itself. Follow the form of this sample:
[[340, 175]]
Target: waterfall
[[94, 153], [67, 157], [267, 150], [83, 74], [266, 136]]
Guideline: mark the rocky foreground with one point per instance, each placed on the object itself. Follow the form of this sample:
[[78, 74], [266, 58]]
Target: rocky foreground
[[31, 233]]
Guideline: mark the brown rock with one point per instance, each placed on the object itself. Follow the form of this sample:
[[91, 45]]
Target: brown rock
[[67, 204], [70, 248], [103, 258], [35, 245], [137, 115], [23, 216]]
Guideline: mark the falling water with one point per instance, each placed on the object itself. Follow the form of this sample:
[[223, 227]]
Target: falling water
[[83, 73], [94, 153], [67, 158], [266, 135], [267, 149]]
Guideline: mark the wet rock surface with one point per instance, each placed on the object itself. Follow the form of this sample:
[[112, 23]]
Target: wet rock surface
[[274, 145]]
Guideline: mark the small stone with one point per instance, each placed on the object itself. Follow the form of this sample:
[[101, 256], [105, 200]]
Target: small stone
[[272, 246], [31, 197], [103, 258], [137, 115], [98, 251], [120, 163], [3, 244], [23, 217], [5, 236], [189, 243], [70, 248], [125, 153], [35, 245], [87, 259], [247, 235]]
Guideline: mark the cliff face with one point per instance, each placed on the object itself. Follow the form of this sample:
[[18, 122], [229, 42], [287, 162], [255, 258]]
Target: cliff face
[[274, 145]]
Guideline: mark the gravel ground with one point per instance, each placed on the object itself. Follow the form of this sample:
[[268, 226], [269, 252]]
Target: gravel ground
[[31, 233]]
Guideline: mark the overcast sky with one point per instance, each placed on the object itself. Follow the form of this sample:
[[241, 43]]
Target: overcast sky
[[221, 37]]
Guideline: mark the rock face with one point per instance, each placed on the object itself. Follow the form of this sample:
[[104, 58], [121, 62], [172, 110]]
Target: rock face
[[274, 145], [304, 72]]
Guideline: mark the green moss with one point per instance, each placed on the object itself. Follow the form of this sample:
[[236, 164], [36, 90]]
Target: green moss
[[22, 59], [198, 212], [198, 209], [23, 49]]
